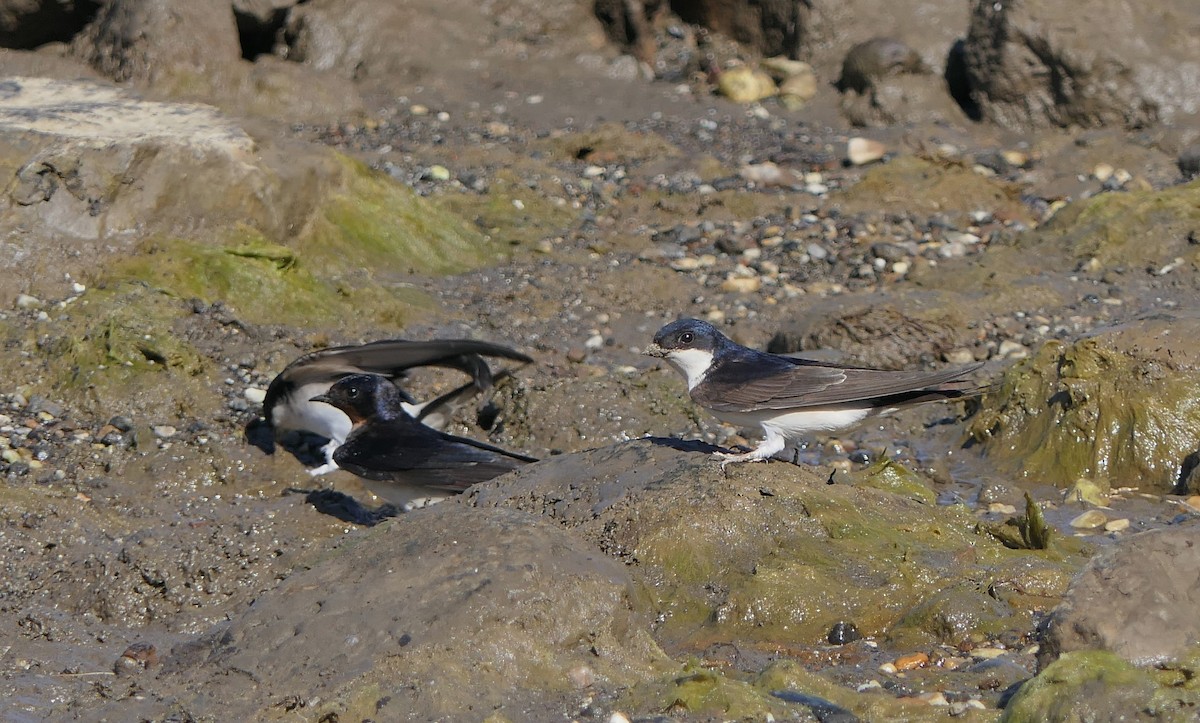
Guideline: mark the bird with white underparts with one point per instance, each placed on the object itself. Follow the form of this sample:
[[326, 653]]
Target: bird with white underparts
[[288, 403], [401, 460], [788, 397]]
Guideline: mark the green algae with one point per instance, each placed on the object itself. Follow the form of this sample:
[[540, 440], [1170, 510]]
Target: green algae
[[1099, 685], [118, 346], [510, 213], [1092, 409], [782, 570], [1027, 532], [888, 474], [1121, 229]]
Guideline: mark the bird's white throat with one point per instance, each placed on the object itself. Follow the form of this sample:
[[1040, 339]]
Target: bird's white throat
[[693, 364]]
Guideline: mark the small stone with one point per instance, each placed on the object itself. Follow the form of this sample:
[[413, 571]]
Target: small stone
[[418, 109], [1016, 159], [10, 455], [687, 263], [618, 717], [861, 151], [987, 653], [582, 676], [1001, 508], [576, 355], [78, 288], [164, 431], [137, 657], [1010, 349], [254, 395], [594, 342], [744, 84], [959, 356], [1118, 525], [816, 252], [842, 632], [741, 284], [1193, 502], [1089, 520], [25, 301], [1102, 172], [933, 698], [438, 173], [888, 669], [911, 662]]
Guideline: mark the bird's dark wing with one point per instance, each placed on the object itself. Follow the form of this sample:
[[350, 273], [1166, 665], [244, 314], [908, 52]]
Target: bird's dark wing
[[407, 451], [390, 358], [767, 381]]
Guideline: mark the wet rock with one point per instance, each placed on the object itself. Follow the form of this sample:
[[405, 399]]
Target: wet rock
[[411, 619], [1119, 405], [861, 151], [668, 508], [1134, 599], [1019, 58]]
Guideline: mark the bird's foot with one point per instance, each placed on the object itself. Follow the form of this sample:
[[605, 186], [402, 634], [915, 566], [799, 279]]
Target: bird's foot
[[727, 458], [323, 469]]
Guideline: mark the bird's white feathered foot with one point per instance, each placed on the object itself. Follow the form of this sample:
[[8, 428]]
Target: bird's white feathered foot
[[771, 445], [329, 465]]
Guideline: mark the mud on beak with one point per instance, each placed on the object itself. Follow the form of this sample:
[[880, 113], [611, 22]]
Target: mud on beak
[[656, 351]]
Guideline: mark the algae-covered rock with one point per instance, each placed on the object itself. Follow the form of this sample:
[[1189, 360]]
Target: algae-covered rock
[[1097, 685], [768, 555], [1123, 404], [1142, 229]]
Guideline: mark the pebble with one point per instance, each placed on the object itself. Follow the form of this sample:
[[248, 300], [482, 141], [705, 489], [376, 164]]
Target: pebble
[[1010, 349], [1193, 502], [987, 653], [911, 662], [438, 173], [959, 356], [164, 431], [742, 284], [582, 676], [1118, 525], [618, 717], [78, 288], [25, 301], [933, 698], [254, 395], [594, 342], [1002, 508], [888, 669], [1089, 520], [744, 84], [1102, 172], [861, 151], [816, 252]]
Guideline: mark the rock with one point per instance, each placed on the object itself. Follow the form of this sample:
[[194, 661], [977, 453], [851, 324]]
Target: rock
[[160, 41], [1134, 600], [742, 284], [726, 556], [1142, 374], [861, 151], [783, 27], [874, 59], [1189, 162], [1028, 65], [421, 608], [744, 84], [1089, 520]]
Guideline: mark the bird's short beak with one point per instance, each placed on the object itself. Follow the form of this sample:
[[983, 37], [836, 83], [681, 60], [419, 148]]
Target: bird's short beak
[[322, 398], [655, 350]]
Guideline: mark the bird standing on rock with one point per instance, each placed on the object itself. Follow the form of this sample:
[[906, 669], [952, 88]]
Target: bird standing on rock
[[288, 402], [401, 460], [788, 397]]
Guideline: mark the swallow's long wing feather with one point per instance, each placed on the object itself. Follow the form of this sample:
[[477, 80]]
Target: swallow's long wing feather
[[767, 381]]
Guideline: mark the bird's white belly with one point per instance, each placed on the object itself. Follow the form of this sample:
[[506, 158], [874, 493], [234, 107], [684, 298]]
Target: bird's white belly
[[791, 425], [316, 417]]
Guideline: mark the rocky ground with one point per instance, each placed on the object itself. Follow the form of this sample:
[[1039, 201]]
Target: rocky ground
[[534, 187]]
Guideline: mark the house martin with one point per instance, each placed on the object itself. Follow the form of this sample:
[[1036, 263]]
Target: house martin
[[786, 396], [401, 460], [288, 403]]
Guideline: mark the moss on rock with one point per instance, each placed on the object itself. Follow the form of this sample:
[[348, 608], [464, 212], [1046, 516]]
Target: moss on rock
[[1123, 406]]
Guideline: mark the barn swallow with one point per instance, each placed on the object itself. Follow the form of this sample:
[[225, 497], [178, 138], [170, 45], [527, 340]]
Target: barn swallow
[[400, 459], [788, 397], [288, 402]]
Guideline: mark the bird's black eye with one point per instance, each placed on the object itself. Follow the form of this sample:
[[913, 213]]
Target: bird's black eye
[[352, 392], [686, 337]]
